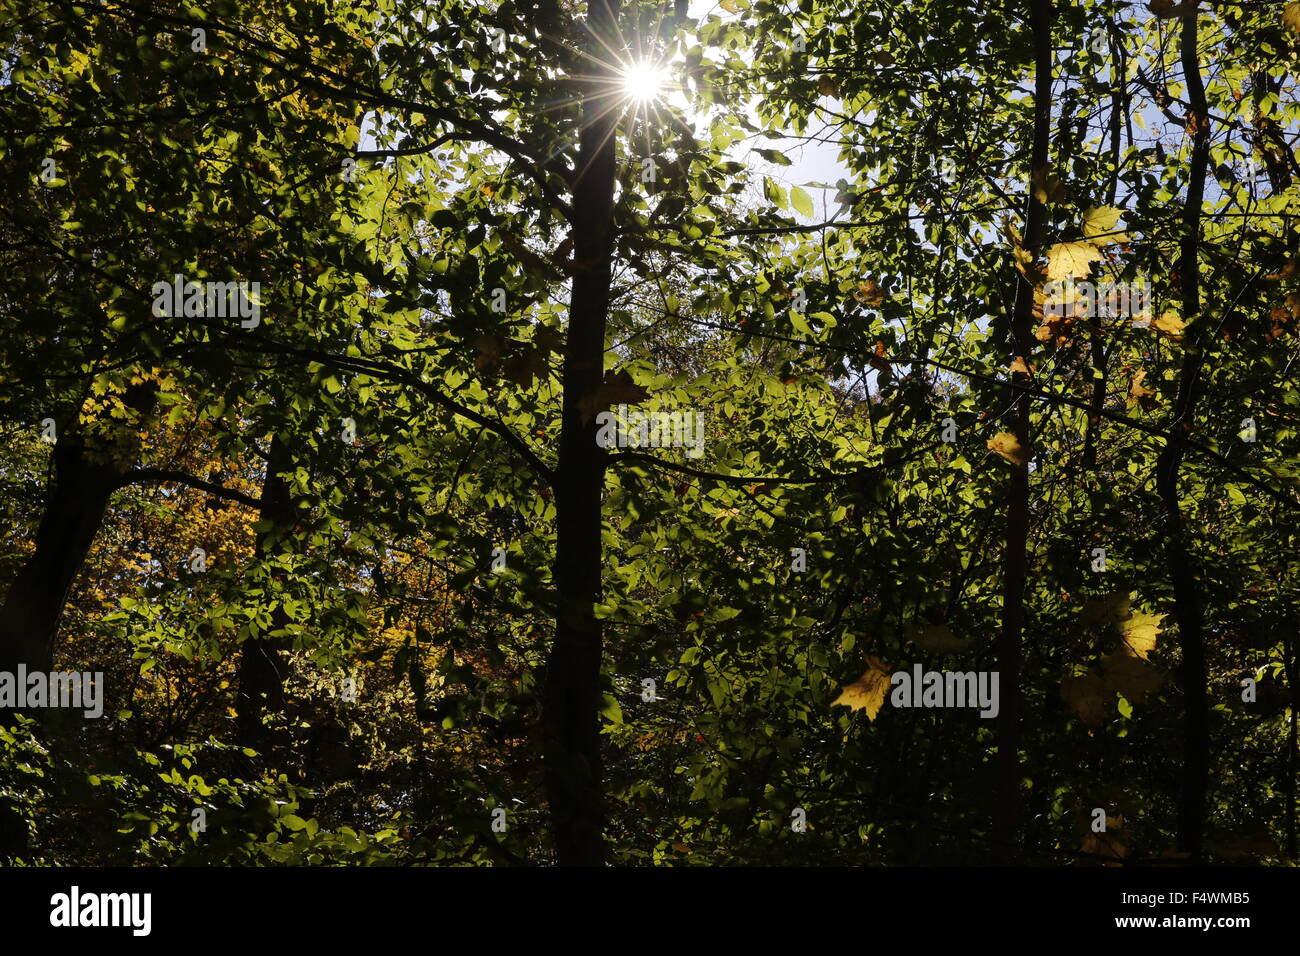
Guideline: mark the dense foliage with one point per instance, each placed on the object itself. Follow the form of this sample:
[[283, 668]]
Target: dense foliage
[[364, 586]]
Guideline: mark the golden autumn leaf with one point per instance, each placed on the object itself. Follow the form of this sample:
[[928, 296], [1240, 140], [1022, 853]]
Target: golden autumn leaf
[[1171, 325], [1139, 394], [1291, 17], [1071, 260], [868, 691], [1019, 365], [1008, 446], [1139, 633], [1024, 260], [1099, 224], [869, 293]]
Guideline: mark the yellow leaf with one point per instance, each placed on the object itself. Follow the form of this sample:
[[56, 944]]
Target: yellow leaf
[[1140, 633], [868, 691], [1170, 325], [1019, 365], [1067, 260], [1099, 224], [1291, 17], [1008, 446], [1139, 394]]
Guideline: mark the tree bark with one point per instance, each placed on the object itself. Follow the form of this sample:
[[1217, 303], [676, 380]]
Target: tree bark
[[1006, 816], [1291, 660], [77, 498], [572, 700], [263, 666], [1187, 603]]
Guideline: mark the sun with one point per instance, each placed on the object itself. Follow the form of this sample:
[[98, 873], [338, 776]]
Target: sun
[[643, 82]]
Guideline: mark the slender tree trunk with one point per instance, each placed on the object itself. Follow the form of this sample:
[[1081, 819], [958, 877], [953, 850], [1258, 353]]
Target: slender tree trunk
[[1292, 662], [263, 666], [1092, 437], [1015, 555], [1187, 603], [572, 698]]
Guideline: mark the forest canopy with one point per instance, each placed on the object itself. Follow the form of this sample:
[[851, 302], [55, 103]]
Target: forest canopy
[[534, 432]]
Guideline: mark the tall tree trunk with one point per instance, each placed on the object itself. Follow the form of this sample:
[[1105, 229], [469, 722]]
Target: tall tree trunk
[[1291, 660], [1015, 557], [263, 666], [77, 498], [572, 699], [1187, 604]]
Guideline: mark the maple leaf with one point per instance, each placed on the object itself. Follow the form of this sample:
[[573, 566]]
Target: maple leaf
[[1071, 260], [1099, 225], [1024, 261], [1107, 610], [523, 368], [869, 293], [1019, 365], [1008, 446], [878, 361], [1139, 633], [1291, 17], [1291, 266], [1170, 325], [868, 691], [1139, 394]]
